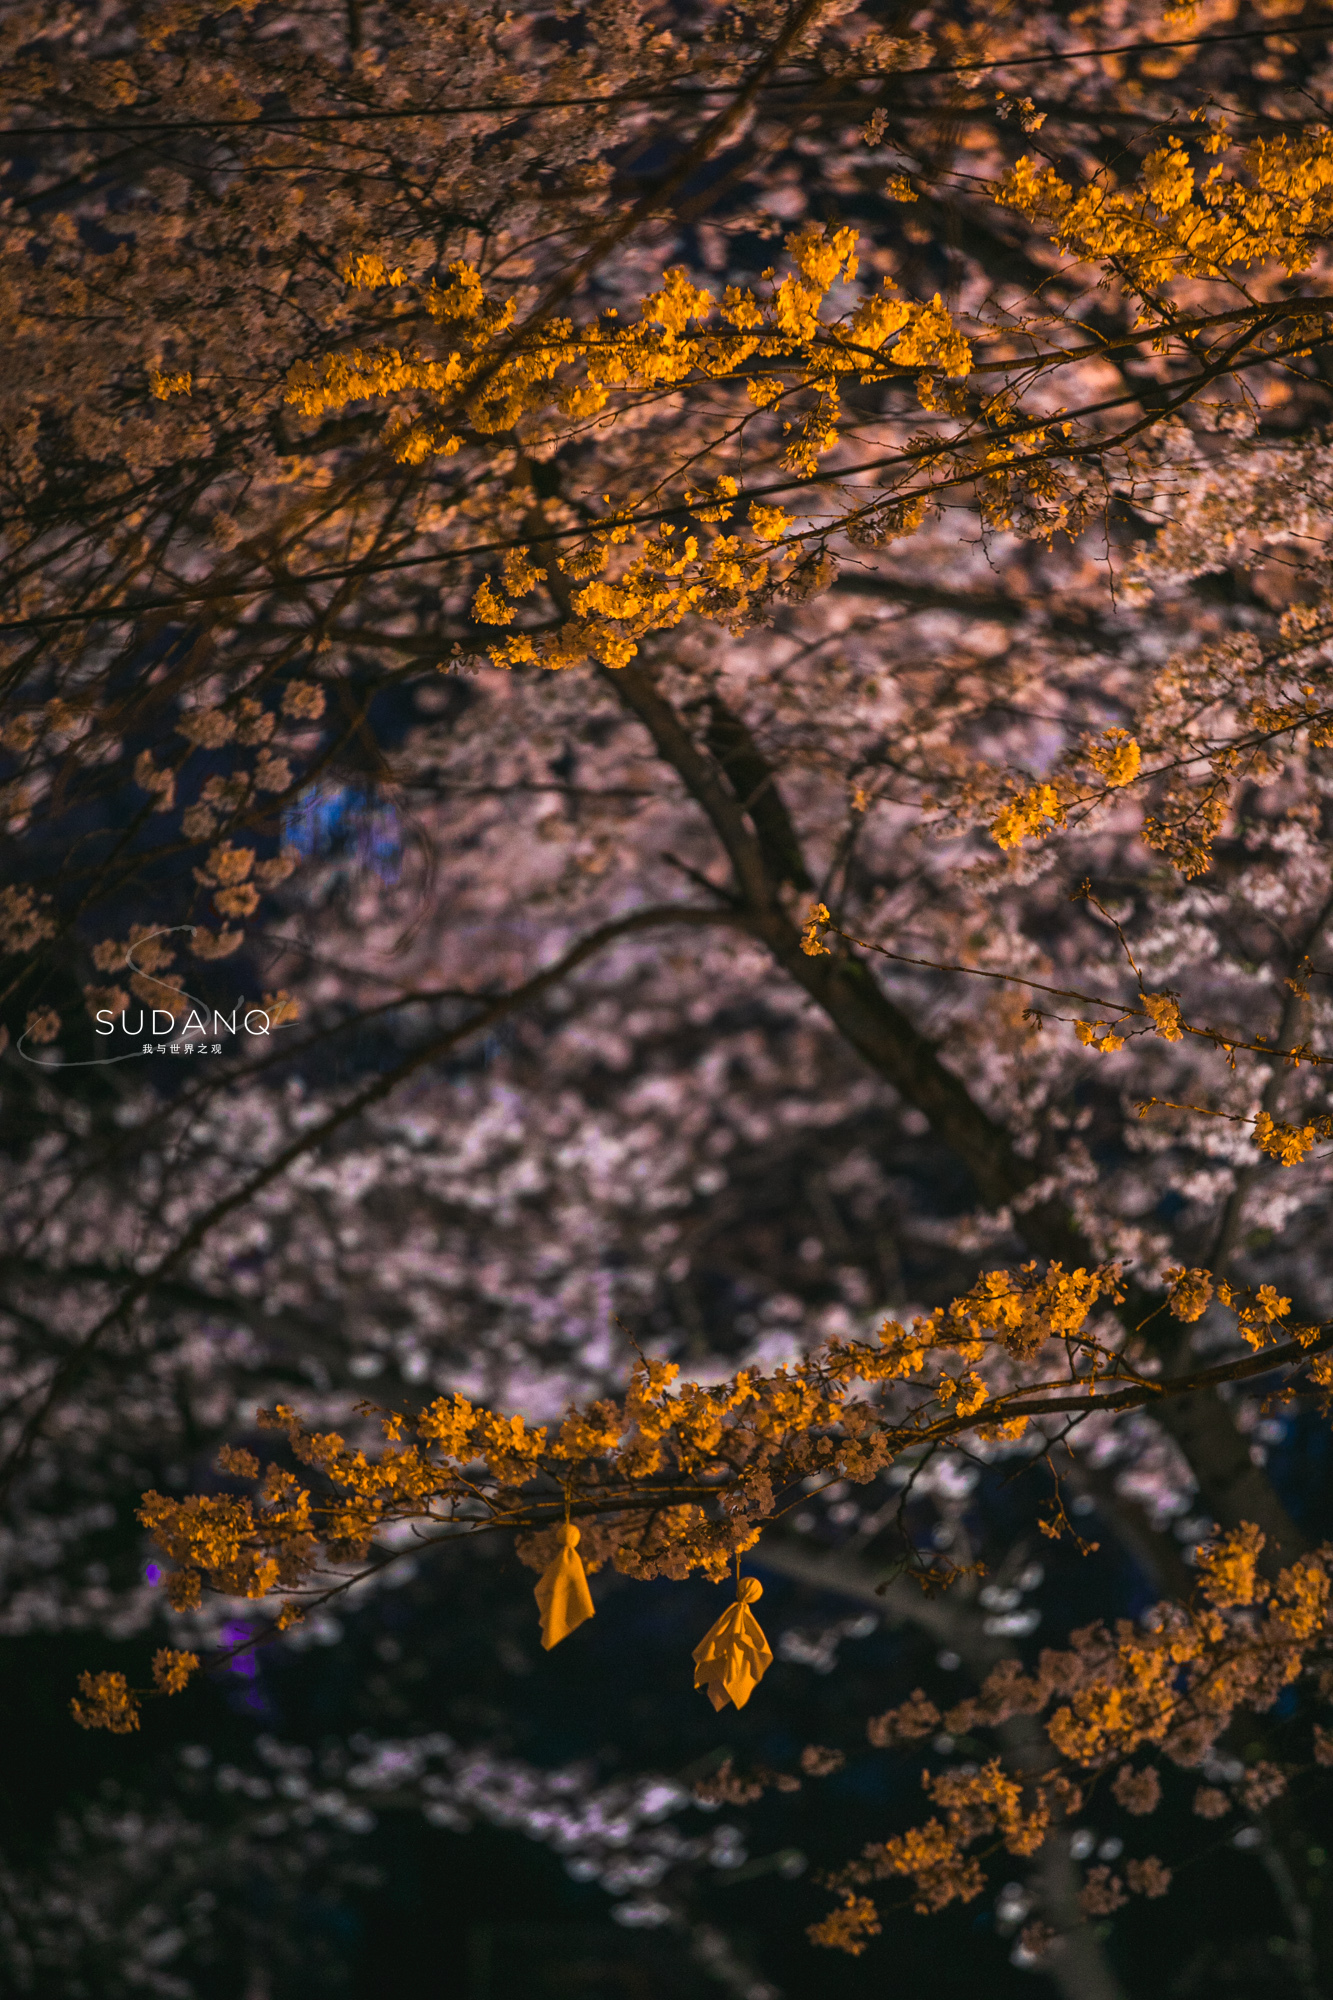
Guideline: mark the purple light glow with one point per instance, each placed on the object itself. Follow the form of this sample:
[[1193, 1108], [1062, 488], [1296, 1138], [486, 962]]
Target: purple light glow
[[245, 1664]]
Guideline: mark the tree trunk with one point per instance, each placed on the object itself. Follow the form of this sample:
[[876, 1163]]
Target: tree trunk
[[1076, 1965], [764, 852]]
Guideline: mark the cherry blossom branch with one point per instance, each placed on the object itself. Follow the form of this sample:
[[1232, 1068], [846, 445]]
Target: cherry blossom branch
[[68, 1371]]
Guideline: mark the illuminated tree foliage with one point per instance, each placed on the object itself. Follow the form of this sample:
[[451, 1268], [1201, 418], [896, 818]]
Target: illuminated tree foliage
[[727, 499]]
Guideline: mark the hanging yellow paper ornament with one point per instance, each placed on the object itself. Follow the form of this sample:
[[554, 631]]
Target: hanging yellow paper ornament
[[733, 1656], [562, 1593]]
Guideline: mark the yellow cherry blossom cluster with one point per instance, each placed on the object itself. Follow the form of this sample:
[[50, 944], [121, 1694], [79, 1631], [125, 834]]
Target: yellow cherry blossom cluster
[[1170, 1684], [781, 345], [1114, 760], [675, 1478], [1267, 202]]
